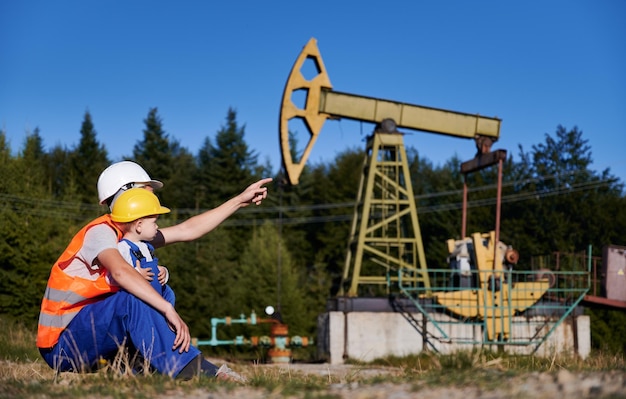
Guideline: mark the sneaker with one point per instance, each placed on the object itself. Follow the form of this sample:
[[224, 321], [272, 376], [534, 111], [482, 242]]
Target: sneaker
[[226, 374]]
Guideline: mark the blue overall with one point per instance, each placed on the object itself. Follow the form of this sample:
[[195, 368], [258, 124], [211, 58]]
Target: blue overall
[[100, 328], [135, 253]]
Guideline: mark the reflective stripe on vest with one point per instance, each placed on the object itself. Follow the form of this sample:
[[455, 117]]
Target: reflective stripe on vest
[[66, 295]]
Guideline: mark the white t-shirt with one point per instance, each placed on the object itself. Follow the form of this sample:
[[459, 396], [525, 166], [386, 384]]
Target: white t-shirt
[[85, 264], [124, 249]]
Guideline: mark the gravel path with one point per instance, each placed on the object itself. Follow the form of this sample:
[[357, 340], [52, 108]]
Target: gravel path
[[562, 384]]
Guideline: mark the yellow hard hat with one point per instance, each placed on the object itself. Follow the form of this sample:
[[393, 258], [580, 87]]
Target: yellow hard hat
[[136, 203]]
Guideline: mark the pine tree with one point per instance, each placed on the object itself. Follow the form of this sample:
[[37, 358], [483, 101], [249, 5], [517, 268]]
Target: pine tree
[[203, 175], [232, 163], [182, 186], [153, 152], [266, 276], [32, 164], [338, 184], [438, 192], [8, 183], [59, 175], [224, 170], [33, 226], [166, 160], [202, 278], [88, 160], [293, 205], [568, 198]]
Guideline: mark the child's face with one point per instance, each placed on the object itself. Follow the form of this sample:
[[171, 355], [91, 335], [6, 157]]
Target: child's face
[[147, 228]]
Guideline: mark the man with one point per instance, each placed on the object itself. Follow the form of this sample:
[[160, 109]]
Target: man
[[84, 319]]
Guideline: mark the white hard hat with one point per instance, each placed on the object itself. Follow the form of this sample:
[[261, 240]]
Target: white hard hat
[[119, 175]]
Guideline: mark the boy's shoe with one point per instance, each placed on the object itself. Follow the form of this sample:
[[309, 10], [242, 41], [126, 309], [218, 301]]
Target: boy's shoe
[[226, 374]]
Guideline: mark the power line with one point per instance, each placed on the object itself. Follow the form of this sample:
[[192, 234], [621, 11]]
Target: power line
[[511, 198], [79, 212]]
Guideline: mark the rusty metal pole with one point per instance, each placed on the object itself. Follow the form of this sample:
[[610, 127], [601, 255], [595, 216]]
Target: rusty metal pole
[[498, 204], [464, 217], [479, 162]]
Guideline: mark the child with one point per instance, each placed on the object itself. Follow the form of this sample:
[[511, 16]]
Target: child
[[136, 211]]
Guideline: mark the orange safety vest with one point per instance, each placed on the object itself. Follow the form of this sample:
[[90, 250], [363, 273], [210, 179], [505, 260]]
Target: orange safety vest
[[66, 295]]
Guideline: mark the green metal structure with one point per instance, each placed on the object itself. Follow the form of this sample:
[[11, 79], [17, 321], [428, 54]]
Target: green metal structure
[[500, 321]]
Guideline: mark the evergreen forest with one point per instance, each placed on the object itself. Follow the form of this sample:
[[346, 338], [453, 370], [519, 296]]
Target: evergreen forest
[[289, 252]]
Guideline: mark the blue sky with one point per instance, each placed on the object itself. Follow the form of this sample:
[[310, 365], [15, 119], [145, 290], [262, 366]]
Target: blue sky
[[534, 64]]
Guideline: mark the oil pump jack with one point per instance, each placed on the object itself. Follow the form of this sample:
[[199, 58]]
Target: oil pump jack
[[385, 243]]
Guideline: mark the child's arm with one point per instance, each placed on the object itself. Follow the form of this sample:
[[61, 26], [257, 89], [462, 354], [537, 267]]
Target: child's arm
[[164, 275]]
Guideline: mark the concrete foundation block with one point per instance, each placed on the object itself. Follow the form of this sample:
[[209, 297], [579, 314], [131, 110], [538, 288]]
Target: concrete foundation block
[[366, 336]]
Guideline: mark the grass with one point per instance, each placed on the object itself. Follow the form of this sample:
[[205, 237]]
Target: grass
[[24, 374]]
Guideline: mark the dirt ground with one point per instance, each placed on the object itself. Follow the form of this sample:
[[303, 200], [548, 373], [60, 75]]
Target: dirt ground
[[342, 385]]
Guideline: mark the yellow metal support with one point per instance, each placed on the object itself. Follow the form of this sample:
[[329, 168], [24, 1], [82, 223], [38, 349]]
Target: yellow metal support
[[496, 300], [385, 234]]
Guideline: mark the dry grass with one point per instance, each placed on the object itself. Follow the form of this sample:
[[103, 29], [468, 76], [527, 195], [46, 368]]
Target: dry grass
[[25, 371], [24, 374]]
